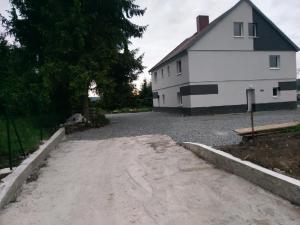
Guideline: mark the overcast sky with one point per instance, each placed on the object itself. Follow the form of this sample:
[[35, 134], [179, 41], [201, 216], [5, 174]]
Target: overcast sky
[[171, 21]]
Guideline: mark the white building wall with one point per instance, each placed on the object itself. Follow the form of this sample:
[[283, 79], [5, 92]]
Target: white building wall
[[239, 65], [170, 85], [174, 78], [171, 98], [233, 71], [221, 36], [234, 93], [236, 71]]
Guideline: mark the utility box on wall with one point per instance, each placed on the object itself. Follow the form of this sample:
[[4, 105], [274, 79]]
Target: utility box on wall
[[251, 99]]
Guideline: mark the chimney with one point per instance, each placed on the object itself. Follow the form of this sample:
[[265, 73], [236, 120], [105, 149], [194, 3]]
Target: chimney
[[202, 22]]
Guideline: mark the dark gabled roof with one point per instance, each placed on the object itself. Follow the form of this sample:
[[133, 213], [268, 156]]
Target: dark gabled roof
[[187, 43]]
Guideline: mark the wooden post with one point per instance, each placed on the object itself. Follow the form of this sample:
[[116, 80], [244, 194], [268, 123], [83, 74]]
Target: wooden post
[[250, 102], [9, 143], [252, 123]]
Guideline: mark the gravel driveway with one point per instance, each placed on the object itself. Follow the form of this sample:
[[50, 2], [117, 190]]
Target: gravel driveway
[[210, 130], [145, 180]]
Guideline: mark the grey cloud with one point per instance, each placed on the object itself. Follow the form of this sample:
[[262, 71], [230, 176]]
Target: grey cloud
[[171, 21]]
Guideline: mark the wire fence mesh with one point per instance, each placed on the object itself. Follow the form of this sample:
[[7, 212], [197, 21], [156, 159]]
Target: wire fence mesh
[[21, 135]]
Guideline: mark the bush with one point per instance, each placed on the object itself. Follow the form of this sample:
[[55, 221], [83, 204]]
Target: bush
[[132, 110], [100, 119]]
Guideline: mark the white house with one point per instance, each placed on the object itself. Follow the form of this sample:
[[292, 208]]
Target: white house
[[211, 71]]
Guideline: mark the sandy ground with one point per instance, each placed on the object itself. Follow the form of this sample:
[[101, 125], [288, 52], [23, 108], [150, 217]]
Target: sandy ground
[[141, 180]]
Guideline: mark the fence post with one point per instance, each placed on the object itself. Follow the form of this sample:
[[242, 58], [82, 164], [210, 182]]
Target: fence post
[[8, 142], [41, 126], [18, 137]]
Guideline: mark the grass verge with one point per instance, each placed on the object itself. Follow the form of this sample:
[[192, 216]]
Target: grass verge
[[132, 110], [29, 132]]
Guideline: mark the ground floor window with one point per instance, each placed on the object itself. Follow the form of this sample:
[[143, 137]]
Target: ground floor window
[[276, 91], [163, 99], [179, 98]]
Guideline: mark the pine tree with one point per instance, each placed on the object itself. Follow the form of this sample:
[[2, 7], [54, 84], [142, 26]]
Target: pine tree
[[72, 43]]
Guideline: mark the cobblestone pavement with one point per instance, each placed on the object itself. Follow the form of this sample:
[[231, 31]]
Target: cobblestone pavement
[[214, 130]]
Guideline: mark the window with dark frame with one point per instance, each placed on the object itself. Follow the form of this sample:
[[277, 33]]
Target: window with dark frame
[[252, 29], [179, 98], [155, 77], [168, 70], [274, 61], [179, 69], [238, 29], [163, 99], [162, 73], [276, 91]]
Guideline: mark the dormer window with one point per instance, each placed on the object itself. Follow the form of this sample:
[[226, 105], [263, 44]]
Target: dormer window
[[252, 29], [238, 29]]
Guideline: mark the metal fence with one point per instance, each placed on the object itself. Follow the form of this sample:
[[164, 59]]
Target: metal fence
[[21, 135]]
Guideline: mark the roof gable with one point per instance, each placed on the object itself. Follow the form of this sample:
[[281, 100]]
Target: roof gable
[[189, 42], [270, 37]]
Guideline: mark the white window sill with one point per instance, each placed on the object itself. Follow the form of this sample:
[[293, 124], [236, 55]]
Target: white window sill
[[276, 96], [274, 68], [178, 74], [239, 36]]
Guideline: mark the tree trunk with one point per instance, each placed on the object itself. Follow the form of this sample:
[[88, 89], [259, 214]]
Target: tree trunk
[[85, 106]]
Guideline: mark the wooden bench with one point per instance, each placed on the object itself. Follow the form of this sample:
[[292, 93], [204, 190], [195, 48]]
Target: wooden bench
[[266, 129]]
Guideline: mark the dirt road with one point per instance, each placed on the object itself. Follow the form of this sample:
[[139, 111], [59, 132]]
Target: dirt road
[[141, 180]]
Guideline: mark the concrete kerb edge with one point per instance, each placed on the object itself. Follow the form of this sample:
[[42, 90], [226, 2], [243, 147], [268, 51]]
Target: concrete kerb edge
[[281, 185], [13, 182]]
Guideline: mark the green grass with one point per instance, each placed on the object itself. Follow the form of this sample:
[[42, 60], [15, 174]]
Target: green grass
[[29, 132], [295, 129], [132, 110]]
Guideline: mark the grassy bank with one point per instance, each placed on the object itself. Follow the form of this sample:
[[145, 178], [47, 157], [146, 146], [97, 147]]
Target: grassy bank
[[29, 132], [132, 110]]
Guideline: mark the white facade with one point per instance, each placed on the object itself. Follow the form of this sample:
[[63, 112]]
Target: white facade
[[232, 64], [236, 71]]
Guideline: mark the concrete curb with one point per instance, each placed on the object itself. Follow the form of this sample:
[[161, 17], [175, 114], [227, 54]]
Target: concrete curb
[[13, 182], [284, 186]]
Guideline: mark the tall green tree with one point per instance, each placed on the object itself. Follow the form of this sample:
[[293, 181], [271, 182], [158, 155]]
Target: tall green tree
[[120, 93], [146, 90], [72, 43], [20, 86]]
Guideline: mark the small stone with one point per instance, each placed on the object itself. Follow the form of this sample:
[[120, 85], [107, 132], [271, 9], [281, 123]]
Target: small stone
[[5, 172], [279, 171]]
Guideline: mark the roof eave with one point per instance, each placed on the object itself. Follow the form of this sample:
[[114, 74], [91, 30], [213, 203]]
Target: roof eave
[[167, 61]]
